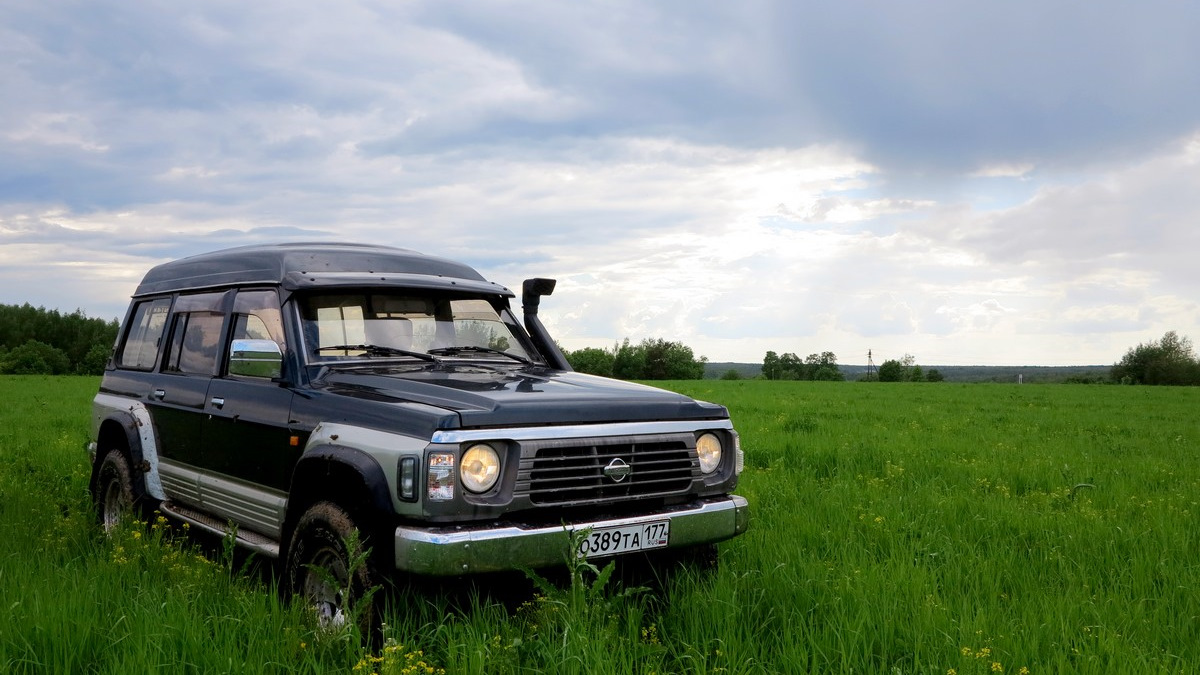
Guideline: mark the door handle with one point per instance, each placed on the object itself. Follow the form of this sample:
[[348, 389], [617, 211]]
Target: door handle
[[218, 402], [159, 394]]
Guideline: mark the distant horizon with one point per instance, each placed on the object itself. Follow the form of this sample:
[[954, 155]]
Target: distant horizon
[[939, 365], [711, 361]]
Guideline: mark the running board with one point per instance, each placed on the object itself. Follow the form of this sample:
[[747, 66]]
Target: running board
[[254, 541]]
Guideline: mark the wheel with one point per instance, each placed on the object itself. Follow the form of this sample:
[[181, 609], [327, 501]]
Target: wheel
[[338, 583], [113, 494]]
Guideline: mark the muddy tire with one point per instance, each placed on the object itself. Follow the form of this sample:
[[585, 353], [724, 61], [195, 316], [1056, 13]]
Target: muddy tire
[[113, 494], [339, 584]]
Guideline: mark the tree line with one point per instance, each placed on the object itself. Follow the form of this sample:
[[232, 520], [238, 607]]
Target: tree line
[[788, 366], [650, 359], [34, 340], [907, 370]]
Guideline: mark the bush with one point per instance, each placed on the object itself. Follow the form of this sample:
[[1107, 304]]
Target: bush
[[35, 358], [656, 359], [592, 360]]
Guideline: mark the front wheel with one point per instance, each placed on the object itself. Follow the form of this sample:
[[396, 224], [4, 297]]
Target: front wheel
[[328, 568]]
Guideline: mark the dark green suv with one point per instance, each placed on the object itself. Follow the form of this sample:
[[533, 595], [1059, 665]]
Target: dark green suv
[[295, 394]]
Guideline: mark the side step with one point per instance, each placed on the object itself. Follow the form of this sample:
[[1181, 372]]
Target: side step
[[254, 541]]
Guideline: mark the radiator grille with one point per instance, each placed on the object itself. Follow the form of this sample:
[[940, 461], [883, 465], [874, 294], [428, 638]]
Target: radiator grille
[[575, 473]]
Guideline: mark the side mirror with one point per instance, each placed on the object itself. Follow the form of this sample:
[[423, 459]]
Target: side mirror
[[255, 358]]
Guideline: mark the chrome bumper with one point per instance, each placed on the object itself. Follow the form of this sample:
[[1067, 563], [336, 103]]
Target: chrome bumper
[[465, 549]]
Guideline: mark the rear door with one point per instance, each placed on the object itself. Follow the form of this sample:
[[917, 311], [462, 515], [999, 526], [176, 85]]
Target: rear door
[[178, 396]]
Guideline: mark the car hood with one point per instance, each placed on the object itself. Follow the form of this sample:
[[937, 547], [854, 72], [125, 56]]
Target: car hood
[[484, 395]]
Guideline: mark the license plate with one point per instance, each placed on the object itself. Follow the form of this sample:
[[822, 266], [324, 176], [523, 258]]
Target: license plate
[[604, 541]]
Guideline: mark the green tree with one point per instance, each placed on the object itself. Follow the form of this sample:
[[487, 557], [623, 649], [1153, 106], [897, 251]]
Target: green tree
[[934, 375], [35, 358], [772, 369], [651, 359], [629, 362], [822, 366], [94, 361], [731, 374], [591, 360], [1167, 361], [791, 367], [74, 334], [891, 371], [666, 360]]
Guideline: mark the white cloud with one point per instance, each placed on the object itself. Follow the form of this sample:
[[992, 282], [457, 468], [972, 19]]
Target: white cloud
[[742, 178], [58, 129]]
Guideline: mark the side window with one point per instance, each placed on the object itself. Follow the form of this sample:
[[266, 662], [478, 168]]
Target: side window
[[250, 327], [257, 317], [195, 339], [146, 329]]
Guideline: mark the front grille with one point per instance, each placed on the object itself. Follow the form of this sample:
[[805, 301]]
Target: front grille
[[571, 472]]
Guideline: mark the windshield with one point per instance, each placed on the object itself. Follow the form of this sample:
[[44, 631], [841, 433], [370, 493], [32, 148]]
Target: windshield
[[372, 325]]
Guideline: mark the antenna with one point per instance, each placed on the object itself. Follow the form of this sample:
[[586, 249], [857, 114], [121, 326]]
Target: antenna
[[871, 375]]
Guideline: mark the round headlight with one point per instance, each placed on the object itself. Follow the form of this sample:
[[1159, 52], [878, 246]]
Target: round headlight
[[480, 468], [708, 448]]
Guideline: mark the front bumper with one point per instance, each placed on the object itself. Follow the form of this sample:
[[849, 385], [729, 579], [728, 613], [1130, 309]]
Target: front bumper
[[466, 549]]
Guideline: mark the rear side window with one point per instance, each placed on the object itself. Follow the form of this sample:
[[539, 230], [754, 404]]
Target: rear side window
[[145, 334], [195, 342], [195, 334]]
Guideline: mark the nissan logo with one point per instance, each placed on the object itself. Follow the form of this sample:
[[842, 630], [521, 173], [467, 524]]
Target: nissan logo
[[617, 470]]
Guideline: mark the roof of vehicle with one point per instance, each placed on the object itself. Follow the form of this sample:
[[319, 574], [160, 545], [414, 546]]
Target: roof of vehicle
[[314, 265]]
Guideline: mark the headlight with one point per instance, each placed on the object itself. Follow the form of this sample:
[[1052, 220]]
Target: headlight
[[708, 448], [480, 468]]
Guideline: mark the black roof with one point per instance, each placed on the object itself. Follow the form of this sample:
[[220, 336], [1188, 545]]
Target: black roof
[[314, 265]]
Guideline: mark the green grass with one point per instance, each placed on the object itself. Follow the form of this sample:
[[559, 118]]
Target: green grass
[[896, 528]]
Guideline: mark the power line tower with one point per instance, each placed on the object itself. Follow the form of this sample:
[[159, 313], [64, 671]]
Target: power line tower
[[871, 374]]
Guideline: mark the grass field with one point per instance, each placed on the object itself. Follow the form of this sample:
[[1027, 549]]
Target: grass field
[[896, 528]]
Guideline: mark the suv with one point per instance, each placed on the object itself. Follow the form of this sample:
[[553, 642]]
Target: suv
[[300, 397]]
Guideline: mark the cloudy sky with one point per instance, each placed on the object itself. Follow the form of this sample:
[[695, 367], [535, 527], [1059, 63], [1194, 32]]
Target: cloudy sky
[[1011, 183]]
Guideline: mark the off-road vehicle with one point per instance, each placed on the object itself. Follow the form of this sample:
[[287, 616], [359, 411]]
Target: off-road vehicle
[[294, 394]]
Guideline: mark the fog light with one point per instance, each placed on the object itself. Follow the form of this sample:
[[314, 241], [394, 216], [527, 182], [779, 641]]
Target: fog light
[[708, 449], [440, 477]]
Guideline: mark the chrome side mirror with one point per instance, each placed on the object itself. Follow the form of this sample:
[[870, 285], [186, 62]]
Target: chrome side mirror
[[255, 358]]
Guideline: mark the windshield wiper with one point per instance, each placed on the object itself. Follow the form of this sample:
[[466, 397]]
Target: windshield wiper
[[379, 350], [455, 351]]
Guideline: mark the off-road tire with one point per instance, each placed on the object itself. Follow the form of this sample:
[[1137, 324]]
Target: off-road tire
[[113, 494], [319, 543]]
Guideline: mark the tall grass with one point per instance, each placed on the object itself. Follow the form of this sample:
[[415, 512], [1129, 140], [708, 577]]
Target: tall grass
[[907, 528], [929, 528]]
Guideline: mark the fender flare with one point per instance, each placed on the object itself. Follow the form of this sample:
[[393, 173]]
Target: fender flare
[[322, 462], [144, 463]]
